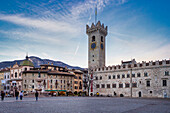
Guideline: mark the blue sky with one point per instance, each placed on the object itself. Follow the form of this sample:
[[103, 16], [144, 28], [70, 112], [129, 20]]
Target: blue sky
[[55, 29]]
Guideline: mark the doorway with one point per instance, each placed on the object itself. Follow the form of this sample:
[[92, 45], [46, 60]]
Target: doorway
[[140, 94]]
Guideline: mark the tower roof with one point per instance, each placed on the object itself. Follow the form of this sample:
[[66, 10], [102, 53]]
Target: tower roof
[[96, 27], [27, 62]]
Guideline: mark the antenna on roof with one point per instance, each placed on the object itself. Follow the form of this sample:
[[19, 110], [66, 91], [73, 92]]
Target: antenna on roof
[[96, 13]]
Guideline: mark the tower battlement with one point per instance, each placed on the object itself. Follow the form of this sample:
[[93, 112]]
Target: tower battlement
[[96, 27]]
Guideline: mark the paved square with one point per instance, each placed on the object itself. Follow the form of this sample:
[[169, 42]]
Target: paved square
[[85, 105]]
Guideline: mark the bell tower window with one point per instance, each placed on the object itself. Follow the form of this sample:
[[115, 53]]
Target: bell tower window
[[93, 38], [101, 38]]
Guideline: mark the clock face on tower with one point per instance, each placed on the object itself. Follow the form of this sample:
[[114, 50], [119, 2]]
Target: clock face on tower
[[93, 45], [101, 45]]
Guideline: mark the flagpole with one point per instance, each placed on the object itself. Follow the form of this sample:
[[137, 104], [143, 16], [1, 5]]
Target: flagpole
[[96, 14]]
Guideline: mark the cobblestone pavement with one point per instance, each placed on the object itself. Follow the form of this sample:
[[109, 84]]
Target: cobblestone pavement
[[85, 105]]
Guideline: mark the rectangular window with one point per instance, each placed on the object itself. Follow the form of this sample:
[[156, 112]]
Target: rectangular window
[[138, 75], [120, 85], [127, 85], [114, 77], [128, 75], [100, 77], [113, 85], [33, 87], [11, 75], [96, 78], [97, 86], [32, 81], [134, 84], [133, 75], [118, 76], [123, 76], [108, 85], [145, 74], [103, 85], [76, 82], [79, 77], [76, 87], [164, 82], [109, 77], [166, 73], [148, 83]]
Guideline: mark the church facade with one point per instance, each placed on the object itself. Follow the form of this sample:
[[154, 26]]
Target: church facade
[[130, 79]]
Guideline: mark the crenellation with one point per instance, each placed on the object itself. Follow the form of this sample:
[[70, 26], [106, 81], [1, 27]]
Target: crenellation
[[96, 27], [103, 25]]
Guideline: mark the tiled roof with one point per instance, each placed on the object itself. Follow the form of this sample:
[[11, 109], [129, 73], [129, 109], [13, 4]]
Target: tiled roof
[[59, 73]]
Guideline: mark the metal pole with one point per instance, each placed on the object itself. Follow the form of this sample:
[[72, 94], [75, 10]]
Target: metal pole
[[131, 82]]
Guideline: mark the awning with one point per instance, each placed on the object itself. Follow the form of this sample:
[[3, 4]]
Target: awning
[[3, 81], [13, 81], [56, 90]]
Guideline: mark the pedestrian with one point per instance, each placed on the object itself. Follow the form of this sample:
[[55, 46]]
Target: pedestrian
[[21, 95], [16, 94], [2, 95], [36, 95]]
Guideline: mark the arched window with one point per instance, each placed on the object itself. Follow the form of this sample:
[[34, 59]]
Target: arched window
[[101, 38], [93, 38]]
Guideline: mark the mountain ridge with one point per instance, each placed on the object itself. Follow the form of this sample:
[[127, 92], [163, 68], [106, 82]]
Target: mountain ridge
[[37, 62]]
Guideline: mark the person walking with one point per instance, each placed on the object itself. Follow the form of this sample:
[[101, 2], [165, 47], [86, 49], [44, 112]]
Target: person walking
[[16, 94], [36, 95], [21, 95], [2, 95]]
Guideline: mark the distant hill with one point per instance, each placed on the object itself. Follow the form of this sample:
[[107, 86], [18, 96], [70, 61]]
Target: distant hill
[[37, 62]]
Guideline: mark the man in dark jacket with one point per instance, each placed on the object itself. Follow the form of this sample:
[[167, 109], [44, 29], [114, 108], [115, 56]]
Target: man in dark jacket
[[36, 95], [16, 94], [2, 95]]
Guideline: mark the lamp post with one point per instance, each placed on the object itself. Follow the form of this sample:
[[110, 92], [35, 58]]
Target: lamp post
[[131, 82]]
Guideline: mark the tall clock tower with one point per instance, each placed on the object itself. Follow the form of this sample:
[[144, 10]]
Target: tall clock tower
[[96, 45]]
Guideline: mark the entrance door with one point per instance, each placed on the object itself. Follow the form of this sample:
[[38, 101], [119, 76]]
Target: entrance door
[[140, 94]]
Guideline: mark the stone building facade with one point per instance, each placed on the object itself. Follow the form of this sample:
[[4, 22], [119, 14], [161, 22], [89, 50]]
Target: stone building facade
[[146, 79], [132, 79]]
